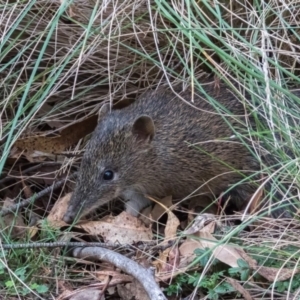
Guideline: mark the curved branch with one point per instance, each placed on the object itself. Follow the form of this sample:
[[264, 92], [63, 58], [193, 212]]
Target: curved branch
[[144, 276]]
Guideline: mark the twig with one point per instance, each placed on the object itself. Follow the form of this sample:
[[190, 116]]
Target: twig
[[85, 244], [144, 276], [99, 251], [30, 169], [57, 244], [31, 200]]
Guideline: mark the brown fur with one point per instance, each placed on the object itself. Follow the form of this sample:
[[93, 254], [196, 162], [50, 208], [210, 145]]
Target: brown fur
[[159, 160]]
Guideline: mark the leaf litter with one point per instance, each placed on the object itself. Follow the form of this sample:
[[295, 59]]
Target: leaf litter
[[177, 259], [35, 148], [172, 261]]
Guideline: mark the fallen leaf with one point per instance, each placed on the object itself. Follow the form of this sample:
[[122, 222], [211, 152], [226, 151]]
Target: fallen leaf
[[186, 251], [239, 288], [116, 277], [33, 230], [88, 294], [204, 239], [127, 291], [168, 259], [225, 253], [256, 201], [275, 274], [124, 229], [174, 258], [171, 227], [161, 207], [249, 260], [39, 146], [58, 211], [199, 223]]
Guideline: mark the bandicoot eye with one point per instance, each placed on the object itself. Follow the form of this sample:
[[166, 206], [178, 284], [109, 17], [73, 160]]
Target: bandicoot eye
[[108, 175]]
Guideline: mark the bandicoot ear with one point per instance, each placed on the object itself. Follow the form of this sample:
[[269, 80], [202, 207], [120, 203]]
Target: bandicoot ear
[[143, 128], [104, 110]]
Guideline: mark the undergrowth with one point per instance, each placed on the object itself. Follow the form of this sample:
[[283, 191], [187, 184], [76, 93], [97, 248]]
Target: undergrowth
[[60, 60]]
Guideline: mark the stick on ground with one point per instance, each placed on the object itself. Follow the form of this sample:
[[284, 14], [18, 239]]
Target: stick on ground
[[144, 276]]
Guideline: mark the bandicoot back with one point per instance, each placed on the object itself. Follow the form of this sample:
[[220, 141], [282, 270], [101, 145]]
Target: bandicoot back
[[162, 145]]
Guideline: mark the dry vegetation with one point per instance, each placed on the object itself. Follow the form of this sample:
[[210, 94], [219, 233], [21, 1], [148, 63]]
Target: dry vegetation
[[60, 60]]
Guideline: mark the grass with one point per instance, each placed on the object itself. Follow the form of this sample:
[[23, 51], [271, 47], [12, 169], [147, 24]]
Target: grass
[[28, 272], [60, 60]]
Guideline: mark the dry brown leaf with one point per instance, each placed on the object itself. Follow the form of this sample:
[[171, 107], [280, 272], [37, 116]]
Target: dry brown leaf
[[124, 229], [127, 291], [33, 230], [79, 294], [199, 223], [12, 222], [88, 294], [186, 251], [58, 210], [161, 207], [169, 259], [39, 146], [239, 288], [228, 255], [225, 253], [174, 258], [249, 260], [116, 277], [256, 202], [171, 227], [167, 263], [272, 274], [204, 239]]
